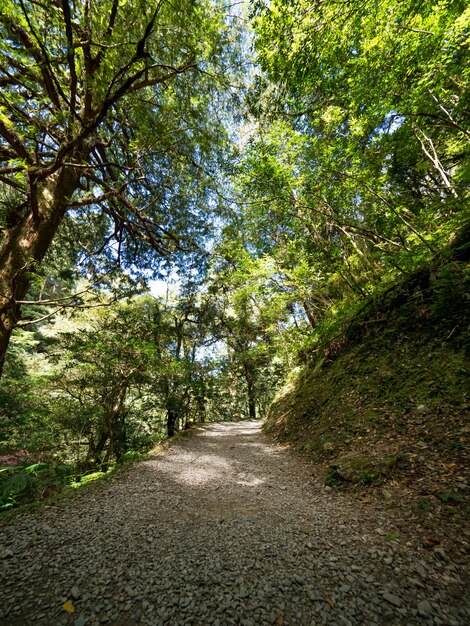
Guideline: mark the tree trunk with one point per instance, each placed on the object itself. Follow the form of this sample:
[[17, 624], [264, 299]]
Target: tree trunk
[[95, 451], [25, 244], [114, 420], [309, 313], [251, 401], [120, 437], [171, 419], [250, 386], [201, 406]]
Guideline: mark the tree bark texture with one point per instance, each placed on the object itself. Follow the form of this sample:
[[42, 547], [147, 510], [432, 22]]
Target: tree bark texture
[[25, 244]]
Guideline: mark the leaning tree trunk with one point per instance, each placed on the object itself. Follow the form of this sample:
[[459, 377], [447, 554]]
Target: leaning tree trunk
[[26, 242]]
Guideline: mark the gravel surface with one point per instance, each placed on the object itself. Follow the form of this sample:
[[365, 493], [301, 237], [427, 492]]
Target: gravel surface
[[221, 528]]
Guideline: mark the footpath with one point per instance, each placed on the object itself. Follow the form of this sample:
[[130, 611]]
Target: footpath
[[221, 528]]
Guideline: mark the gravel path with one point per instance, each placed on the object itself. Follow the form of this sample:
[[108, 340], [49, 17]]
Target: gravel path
[[221, 528]]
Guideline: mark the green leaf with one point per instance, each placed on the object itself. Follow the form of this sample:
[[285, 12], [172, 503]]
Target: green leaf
[[15, 485], [37, 467]]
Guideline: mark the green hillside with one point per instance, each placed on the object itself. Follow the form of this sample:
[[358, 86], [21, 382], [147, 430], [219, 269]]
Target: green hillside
[[386, 405]]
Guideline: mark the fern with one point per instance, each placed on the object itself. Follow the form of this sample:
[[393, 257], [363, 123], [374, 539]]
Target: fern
[[15, 485]]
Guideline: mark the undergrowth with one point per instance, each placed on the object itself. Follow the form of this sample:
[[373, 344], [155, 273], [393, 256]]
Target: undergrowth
[[435, 296], [388, 380], [24, 485]]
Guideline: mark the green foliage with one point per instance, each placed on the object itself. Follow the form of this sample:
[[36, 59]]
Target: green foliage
[[103, 85], [342, 225], [392, 384], [114, 120], [448, 497], [19, 485], [108, 381], [87, 478], [130, 455], [352, 179], [332, 478]]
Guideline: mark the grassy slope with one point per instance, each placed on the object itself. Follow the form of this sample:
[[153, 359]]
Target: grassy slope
[[389, 408]]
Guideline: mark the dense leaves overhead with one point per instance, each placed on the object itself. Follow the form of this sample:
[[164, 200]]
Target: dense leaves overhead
[[358, 169], [113, 119], [122, 90]]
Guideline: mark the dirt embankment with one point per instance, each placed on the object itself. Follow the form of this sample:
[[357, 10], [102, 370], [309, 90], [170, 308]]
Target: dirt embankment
[[384, 413]]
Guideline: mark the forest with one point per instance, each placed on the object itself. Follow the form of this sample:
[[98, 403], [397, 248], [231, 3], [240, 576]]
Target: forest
[[201, 200]]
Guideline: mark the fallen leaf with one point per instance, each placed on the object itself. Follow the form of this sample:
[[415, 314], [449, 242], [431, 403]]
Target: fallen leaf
[[430, 540], [329, 600], [68, 606]]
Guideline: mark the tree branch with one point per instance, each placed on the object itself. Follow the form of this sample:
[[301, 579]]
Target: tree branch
[[70, 53], [14, 140], [39, 54], [112, 19]]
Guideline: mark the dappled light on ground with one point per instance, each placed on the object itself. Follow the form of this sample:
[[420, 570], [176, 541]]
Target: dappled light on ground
[[221, 528]]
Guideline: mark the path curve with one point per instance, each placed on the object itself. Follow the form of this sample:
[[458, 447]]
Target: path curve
[[222, 528]]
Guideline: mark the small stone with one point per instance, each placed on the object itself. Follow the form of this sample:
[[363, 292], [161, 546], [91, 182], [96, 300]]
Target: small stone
[[75, 593], [7, 553], [424, 608], [314, 597], [440, 552], [392, 599], [388, 560], [80, 621], [345, 589], [421, 408], [421, 570]]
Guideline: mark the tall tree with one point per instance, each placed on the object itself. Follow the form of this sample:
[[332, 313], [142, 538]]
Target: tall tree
[[104, 118], [247, 314], [104, 365], [359, 165]]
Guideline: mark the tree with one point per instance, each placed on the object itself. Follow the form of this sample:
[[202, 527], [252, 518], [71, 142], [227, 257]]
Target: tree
[[178, 333], [357, 169], [246, 321], [104, 120], [105, 364]]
